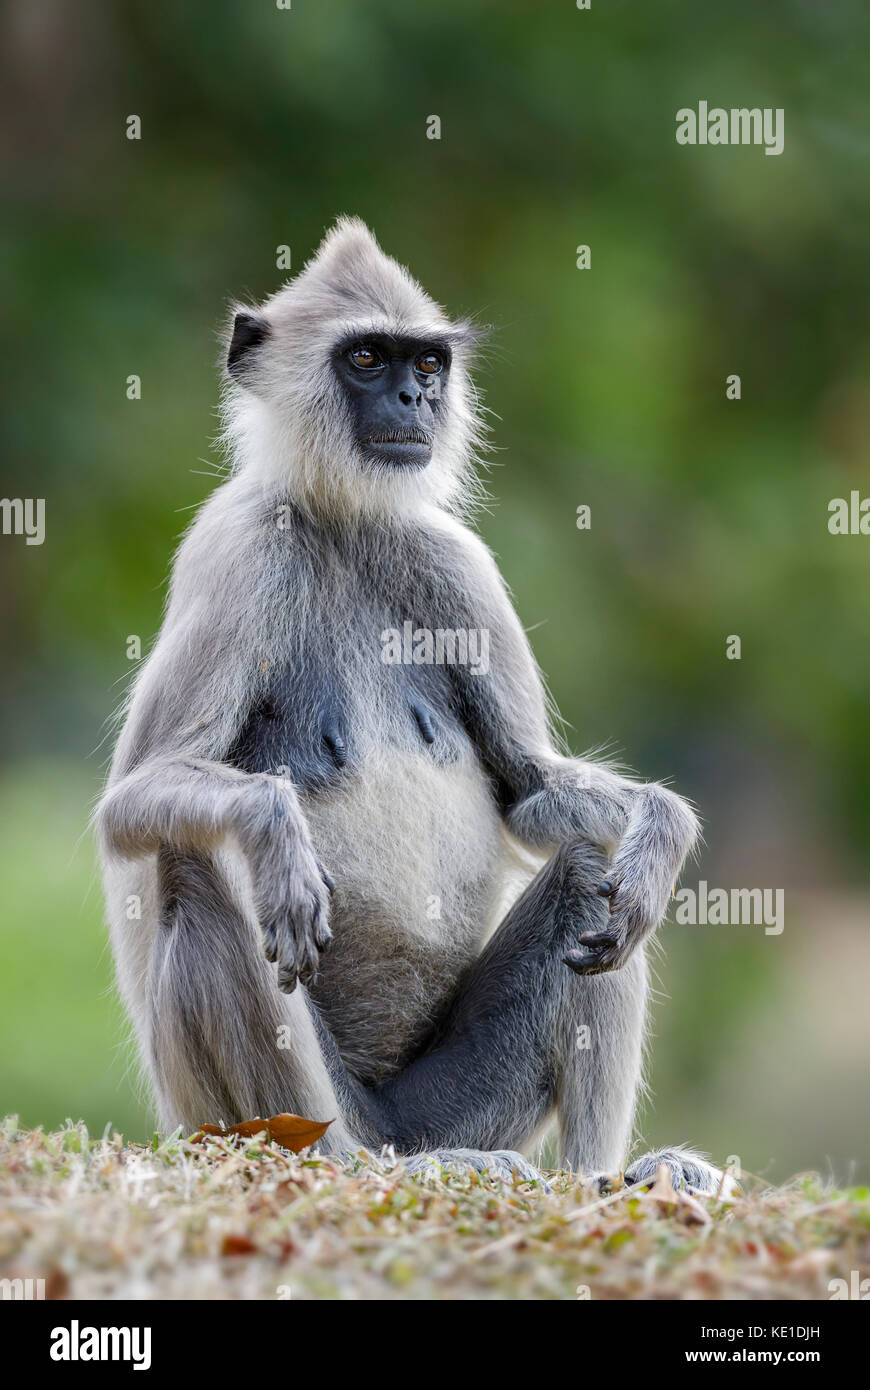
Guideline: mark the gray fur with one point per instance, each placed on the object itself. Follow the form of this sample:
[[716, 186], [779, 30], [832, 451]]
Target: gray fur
[[287, 807]]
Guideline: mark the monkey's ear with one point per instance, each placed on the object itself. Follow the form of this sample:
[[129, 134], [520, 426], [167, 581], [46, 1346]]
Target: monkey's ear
[[248, 331]]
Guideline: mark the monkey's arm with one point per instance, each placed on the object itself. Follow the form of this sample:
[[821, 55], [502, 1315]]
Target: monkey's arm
[[546, 798], [193, 805], [169, 785]]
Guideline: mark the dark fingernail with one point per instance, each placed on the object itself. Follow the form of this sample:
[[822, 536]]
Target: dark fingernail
[[605, 889]]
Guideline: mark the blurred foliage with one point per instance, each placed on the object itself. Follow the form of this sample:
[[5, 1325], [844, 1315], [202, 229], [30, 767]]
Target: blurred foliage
[[607, 387]]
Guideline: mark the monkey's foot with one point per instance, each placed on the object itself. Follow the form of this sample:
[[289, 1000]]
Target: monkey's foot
[[501, 1164], [687, 1170]]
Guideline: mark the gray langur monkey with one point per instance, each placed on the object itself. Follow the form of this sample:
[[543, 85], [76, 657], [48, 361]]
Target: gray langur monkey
[[372, 889]]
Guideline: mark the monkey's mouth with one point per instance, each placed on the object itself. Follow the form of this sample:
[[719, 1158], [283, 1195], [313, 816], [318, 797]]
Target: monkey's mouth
[[412, 435], [408, 448]]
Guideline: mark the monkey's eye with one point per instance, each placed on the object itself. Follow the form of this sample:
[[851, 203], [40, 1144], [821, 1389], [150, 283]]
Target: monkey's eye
[[364, 357], [430, 363]]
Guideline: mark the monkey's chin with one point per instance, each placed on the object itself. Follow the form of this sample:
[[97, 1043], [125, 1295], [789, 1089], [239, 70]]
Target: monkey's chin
[[407, 454]]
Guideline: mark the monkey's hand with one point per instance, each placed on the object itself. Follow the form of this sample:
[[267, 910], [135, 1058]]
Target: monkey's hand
[[661, 831], [291, 893]]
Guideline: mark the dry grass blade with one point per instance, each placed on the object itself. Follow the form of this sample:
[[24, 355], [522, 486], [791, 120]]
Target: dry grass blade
[[235, 1217]]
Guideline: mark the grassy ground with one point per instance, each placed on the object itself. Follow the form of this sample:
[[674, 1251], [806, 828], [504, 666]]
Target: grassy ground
[[248, 1219]]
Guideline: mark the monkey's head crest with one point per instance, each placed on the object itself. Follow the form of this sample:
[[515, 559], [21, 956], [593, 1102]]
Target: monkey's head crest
[[349, 389]]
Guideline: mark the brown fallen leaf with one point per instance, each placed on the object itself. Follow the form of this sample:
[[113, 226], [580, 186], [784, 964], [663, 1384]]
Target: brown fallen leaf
[[291, 1131], [237, 1245], [204, 1130], [56, 1283]]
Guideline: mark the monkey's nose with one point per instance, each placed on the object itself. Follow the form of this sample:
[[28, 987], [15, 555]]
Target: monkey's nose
[[407, 398]]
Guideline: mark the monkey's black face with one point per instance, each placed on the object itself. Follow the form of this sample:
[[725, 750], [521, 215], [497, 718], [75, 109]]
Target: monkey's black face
[[394, 388]]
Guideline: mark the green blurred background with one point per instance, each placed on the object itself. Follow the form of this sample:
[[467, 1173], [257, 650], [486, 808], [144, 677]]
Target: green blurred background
[[709, 517]]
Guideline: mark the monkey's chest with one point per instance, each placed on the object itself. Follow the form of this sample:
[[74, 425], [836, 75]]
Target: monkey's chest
[[321, 722]]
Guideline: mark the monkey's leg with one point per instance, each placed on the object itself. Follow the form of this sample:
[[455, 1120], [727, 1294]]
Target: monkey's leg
[[600, 1082], [601, 1025], [224, 1043], [507, 1054], [526, 1036]]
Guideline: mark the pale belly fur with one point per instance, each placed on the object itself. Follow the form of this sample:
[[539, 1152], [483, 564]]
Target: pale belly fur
[[420, 862]]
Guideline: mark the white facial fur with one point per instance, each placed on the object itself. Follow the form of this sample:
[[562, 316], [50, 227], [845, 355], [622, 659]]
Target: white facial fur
[[286, 422]]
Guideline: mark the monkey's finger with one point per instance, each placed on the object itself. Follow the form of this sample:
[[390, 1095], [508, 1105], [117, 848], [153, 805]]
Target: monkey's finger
[[270, 942], [585, 962], [322, 933], [308, 969], [287, 979], [307, 964], [609, 889], [288, 971], [307, 951], [599, 939], [327, 877]]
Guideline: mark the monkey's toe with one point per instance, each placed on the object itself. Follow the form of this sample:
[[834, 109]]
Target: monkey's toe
[[687, 1170], [500, 1164]]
